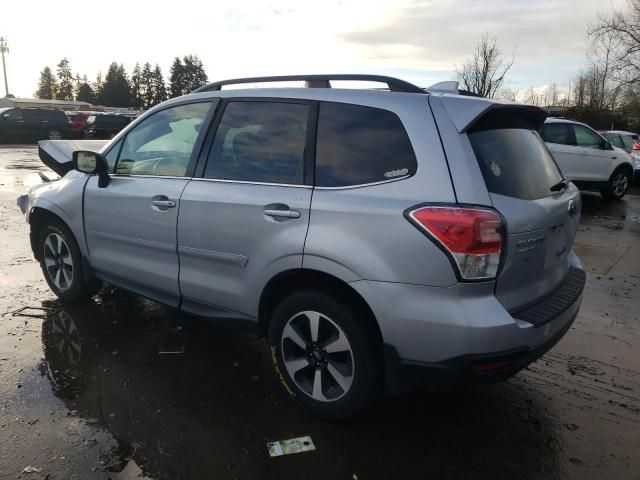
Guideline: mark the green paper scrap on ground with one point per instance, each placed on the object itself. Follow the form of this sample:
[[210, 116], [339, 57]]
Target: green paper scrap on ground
[[293, 445]]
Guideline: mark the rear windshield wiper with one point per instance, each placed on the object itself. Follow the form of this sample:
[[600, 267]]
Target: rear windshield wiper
[[561, 185]]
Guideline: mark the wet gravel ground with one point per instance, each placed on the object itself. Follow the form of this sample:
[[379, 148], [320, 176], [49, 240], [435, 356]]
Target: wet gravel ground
[[92, 391]]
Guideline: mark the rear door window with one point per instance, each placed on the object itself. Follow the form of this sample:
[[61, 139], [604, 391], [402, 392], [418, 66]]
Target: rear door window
[[513, 158], [557, 133], [586, 137], [357, 145], [260, 141]]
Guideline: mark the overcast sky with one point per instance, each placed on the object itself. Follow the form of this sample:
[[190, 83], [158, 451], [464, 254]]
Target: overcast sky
[[419, 40]]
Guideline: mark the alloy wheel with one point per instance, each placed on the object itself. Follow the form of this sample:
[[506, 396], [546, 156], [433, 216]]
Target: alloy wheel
[[620, 184], [54, 135], [318, 356], [58, 261]]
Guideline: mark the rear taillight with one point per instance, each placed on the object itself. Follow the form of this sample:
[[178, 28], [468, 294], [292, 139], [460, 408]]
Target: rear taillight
[[636, 146], [472, 237]]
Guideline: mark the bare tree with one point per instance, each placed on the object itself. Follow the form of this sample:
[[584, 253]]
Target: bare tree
[[485, 73], [620, 31], [506, 93]]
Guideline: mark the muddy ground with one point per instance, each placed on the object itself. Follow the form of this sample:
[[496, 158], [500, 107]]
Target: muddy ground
[[86, 392]]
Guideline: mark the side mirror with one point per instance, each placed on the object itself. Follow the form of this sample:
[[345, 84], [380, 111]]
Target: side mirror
[[606, 145], [92, 163]]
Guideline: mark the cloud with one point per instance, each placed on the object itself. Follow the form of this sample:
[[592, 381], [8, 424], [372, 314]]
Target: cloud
[[438, 34]]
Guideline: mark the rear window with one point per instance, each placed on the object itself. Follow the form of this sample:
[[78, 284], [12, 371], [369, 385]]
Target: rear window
[[513, 159], [357, 145]]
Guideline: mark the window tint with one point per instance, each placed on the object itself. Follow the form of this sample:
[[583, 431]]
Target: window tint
[[14, 115], [586, 138], [33, 115], [556, 133], [627, 141], [260, 142], [615, 140], [515, 162], [162, 144], [358, 145]]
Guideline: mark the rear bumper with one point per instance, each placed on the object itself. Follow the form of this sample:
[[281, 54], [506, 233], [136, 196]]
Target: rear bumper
[[403, 376], [439, 338]]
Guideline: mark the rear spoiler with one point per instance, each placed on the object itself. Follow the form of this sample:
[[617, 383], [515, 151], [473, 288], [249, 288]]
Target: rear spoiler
[[56, 154], [465, 111]]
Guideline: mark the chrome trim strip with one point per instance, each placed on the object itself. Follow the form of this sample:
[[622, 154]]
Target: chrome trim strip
[[220, 180], [360, 185], [126, 175], [221, 257]]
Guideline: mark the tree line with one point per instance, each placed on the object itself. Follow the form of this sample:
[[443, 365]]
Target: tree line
[[605, 93], [143, 89]]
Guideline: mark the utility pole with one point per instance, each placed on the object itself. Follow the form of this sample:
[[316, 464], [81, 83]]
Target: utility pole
[[4, 49]]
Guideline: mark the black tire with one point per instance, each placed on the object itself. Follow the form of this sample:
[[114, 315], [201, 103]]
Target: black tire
[[73, 284], [361, 337], [618, 184]]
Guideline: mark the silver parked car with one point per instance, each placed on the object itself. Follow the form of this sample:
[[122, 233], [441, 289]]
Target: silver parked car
[[382, 241]]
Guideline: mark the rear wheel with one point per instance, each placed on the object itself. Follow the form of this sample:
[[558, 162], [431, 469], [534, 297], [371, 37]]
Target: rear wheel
[[54, 134], [618, 185], [62, 265], [323, 350]]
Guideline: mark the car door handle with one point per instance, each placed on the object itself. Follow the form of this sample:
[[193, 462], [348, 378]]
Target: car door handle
[[160, 203], [282, 213], [164, 203]]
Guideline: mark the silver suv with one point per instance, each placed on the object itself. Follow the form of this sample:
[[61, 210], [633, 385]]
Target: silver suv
[[382, 241]]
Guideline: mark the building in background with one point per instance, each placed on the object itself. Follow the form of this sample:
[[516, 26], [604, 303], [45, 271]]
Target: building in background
[[42, 103]]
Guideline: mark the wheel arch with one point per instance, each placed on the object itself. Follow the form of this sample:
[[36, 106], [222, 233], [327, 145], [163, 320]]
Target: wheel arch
[[623, 166], [286, 282], [37, 218]]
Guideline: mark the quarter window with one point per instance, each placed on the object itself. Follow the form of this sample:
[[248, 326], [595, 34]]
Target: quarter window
[[260, 142], [358, 145], [556, 133], [587, 138], [162, 144]]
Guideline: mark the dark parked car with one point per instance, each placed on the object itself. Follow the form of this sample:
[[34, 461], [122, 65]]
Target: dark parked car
[[105, 126], [29, 124]]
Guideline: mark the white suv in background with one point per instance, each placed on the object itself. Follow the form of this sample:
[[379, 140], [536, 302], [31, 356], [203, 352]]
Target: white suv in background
[[587, 158]]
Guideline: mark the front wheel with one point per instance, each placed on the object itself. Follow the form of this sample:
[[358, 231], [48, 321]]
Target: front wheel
[[323, 351], [618, 185], [61, 263]]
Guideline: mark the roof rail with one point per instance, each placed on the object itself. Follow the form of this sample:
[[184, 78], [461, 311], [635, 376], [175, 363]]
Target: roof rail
[[319, 81]]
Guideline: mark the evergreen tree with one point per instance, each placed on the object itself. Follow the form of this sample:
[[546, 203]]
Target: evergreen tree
[[194, 73], [116, 90], [65, 88], [97, 89], [84, 92], [177, 79], [47, 85], [146, 82], [159, 87], [136, 87], [187, 75]]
